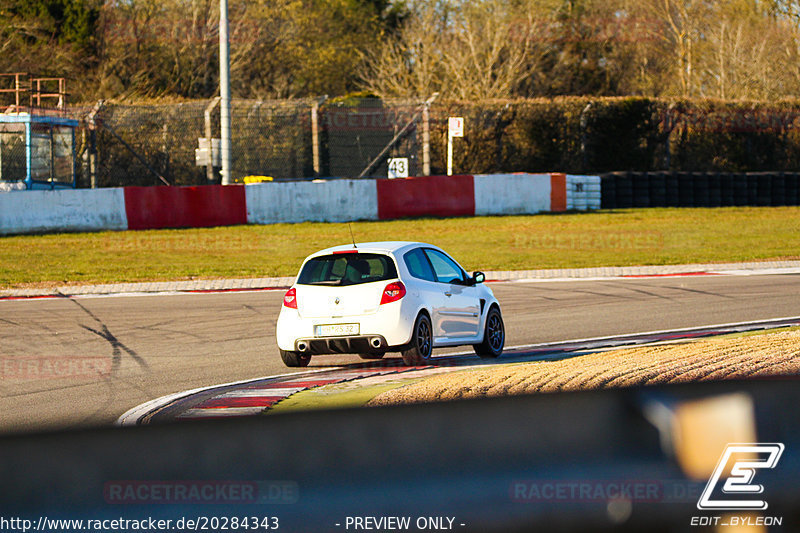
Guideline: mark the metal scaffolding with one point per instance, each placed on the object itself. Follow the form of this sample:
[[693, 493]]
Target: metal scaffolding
[[37, 140]]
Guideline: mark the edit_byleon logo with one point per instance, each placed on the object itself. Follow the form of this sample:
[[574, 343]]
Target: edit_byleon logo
[[743, 462]]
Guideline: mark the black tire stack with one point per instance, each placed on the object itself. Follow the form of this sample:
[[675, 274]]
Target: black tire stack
[[740, 189], [752, 189], [624, 191], [726, 190], [621, 190], [608, 191], [700, 185], [778, 192], [658, 189], [685, 190], [640, 189], [791, 189]]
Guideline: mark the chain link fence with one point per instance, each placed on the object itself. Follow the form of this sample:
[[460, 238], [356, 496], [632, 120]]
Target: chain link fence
[[12, 152], [352, 137], [141, 144]]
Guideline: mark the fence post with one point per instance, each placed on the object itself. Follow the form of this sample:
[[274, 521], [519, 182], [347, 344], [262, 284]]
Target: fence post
[[426, 140], [584, 136], [165, 148], [207, 114], [225, 95], [92, 148], [315, 135]]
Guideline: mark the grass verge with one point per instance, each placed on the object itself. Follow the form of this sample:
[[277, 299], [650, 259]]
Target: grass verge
[[337, 396], [573, 240]]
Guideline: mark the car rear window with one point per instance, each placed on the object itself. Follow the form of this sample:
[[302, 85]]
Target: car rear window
[[347, 269]]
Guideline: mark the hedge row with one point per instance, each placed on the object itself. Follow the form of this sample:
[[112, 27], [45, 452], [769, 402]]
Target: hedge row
[[698, 189], [583, 135]]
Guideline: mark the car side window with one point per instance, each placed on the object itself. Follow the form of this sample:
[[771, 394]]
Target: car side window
[[446, 270], [418, 265]]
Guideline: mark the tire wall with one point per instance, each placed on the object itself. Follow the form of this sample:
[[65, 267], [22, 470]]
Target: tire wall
[[620, 190]]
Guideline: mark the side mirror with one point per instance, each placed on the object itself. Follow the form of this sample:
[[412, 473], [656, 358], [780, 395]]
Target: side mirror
[[478, 277]]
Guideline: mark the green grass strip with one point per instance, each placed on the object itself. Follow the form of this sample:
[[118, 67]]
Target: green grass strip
[[336, 397], [627, 237]]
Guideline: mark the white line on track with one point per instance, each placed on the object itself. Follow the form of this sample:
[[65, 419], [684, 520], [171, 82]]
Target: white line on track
[[657, 332], [193, 292], [134, 415], [260, 392], [737, 272], [220, 412]]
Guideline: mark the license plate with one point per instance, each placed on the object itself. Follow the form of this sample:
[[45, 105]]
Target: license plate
[[337, 330]]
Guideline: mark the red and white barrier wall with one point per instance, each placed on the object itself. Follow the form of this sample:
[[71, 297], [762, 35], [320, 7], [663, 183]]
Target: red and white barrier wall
[[337, 200], [62, 210], [185, 207]]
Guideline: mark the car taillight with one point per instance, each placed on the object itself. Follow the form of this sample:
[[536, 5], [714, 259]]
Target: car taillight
[[290, 299], [393, 292]]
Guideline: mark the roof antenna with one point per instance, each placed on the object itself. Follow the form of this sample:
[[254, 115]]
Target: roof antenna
[[351, 236]]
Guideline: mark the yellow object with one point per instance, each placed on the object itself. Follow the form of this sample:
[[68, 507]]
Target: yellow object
[[256, 179]]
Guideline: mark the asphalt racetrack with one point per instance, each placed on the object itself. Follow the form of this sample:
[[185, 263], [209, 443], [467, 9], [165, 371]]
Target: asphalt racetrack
[[119, 352]]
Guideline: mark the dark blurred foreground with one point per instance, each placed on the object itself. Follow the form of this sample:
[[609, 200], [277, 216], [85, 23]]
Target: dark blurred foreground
[[618, 459]]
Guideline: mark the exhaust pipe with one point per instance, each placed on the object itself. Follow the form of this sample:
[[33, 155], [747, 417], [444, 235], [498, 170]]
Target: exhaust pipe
[[375, 342], [302, 346]]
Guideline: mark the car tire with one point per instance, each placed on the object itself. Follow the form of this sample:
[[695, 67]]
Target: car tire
[[418, 351], [295, 359], [494, 336]]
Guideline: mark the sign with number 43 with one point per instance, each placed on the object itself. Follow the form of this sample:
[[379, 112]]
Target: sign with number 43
[[398, 167]]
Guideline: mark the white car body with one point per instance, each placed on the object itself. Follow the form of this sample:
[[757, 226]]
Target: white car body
[[322, 317]]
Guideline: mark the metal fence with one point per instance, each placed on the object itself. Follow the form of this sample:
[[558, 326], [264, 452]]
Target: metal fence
[[12, 152], [120, 144], [290, 139]]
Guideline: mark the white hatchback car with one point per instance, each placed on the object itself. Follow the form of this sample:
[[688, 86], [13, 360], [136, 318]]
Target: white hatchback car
[[379, 297]]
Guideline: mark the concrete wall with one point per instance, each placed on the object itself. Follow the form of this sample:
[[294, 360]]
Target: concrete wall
[[338, 200], [62, 210], [321, 201], [511, 194]]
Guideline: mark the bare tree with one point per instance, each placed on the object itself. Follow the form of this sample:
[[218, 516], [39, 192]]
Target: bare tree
[[466, 50], [677, 28]]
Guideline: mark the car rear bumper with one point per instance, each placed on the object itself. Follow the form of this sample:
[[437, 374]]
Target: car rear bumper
[[392, 322], [354, 344]]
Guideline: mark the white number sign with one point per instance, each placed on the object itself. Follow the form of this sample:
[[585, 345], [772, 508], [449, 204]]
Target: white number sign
[[398, 167]]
